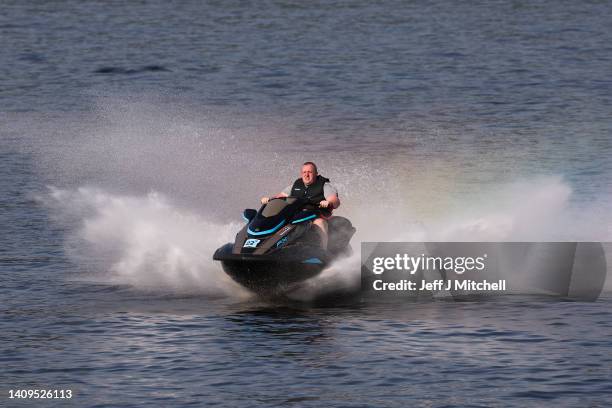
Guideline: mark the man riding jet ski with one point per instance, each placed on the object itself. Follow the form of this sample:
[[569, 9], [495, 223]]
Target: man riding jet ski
[[319, 193], [292, 237]]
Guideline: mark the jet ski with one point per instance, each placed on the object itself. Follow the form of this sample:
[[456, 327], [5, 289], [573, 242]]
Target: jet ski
[[279, 245]]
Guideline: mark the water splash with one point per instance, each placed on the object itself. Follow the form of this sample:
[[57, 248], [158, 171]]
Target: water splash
[[531, 210], [146, 241], [126, 148]]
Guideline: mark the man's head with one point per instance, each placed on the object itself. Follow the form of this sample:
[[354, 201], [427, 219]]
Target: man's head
[[309, 173]]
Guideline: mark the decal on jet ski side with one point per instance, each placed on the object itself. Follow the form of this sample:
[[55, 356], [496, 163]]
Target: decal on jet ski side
[[251, 243], [281, 242]]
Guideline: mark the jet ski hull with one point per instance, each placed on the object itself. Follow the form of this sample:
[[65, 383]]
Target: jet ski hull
[[264, 274]]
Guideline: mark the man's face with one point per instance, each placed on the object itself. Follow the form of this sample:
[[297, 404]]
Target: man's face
[[308, 174]]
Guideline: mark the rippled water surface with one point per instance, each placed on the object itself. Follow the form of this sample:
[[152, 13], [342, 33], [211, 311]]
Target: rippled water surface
[[133, 134], [123, 348]]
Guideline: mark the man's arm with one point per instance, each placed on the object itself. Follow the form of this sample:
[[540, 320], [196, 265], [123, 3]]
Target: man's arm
[[332, 201], [282, 194], [331, 197]]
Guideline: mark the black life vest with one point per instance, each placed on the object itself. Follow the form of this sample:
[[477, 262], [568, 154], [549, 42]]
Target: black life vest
[[313, 193]]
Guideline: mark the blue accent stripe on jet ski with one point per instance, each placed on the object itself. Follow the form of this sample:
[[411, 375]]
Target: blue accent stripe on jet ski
[[245, 219], [271, 230], [313, 261], [310, 217]]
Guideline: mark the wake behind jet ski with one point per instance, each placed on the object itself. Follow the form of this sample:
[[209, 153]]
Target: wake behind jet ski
[[279, 245]]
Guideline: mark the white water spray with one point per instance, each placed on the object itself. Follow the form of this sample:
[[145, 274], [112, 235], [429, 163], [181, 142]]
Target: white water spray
[[208, 168], [145, 242]]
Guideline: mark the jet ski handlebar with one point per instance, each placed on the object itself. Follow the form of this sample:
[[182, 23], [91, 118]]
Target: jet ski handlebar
[[297, 198]]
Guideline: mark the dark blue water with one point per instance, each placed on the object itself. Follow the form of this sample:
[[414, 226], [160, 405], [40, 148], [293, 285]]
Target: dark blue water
[[132, 135]]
